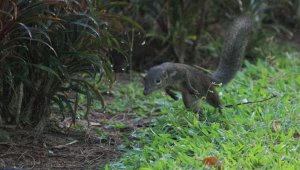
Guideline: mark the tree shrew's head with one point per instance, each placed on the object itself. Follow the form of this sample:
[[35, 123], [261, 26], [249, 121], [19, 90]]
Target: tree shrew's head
[[155, 79]]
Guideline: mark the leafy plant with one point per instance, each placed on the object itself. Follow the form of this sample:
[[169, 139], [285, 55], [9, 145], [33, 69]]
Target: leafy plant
[[50, 51]]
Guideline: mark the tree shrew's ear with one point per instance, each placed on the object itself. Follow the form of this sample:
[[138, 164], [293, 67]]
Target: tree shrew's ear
[[143, 75], [165, 74]]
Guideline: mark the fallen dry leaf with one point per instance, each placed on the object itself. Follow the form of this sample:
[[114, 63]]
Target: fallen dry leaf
[[212, 161], [296, 135], [66, 123], [276, 125]]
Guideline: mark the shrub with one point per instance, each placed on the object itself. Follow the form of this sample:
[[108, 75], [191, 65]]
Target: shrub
[[49, 49]]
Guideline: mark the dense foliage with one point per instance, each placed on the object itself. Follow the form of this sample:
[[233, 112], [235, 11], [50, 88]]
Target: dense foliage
[[187, 30], [48, 51]]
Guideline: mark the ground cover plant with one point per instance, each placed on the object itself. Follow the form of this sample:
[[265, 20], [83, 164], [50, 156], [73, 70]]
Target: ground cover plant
[[263, 135]]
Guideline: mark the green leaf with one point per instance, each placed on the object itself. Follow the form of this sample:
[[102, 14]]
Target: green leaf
[[47, 69]]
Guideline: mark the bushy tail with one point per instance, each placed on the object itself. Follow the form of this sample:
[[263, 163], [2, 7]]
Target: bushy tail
[[232, 54]]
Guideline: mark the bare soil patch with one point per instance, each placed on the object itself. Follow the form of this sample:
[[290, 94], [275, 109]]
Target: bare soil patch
[[69, 148], [50, 151], [64, 147]]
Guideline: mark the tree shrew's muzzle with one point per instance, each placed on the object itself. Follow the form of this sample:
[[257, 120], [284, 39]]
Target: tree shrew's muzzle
[[147, 91]]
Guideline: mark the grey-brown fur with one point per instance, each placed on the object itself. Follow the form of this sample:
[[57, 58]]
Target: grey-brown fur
[[232, 54], [193, 83]]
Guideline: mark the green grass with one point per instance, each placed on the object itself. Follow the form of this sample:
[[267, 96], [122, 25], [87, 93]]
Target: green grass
[[241, 138]]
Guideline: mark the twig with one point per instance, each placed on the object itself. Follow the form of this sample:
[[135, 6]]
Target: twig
[[19, 103], [251, 102], [203, 69], [68, 167], [65, 145]]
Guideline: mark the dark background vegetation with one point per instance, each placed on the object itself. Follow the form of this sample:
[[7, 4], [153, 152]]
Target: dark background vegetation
[[50, 50]]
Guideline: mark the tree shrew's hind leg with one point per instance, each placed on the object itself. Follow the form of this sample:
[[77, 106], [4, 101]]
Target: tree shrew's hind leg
[[213, 99]]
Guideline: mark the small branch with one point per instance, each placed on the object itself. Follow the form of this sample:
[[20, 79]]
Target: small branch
[[65, 145], [19, 104], [251, 102], [203, 69]]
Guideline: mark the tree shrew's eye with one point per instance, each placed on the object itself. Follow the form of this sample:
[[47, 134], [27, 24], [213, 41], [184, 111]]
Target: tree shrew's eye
[[158, 81]]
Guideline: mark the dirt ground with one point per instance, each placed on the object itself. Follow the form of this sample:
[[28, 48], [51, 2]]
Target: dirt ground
[[70, 148], [51, 152]]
